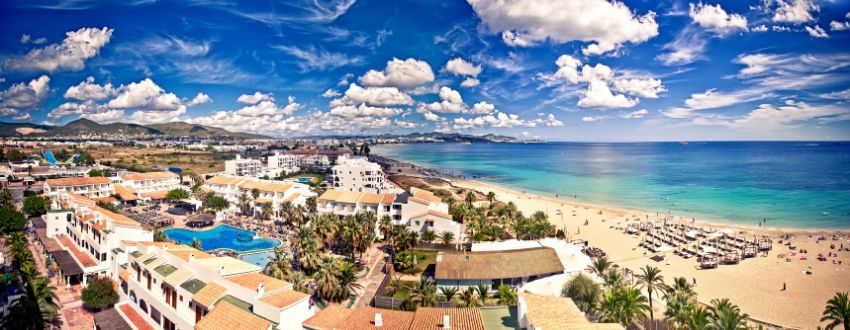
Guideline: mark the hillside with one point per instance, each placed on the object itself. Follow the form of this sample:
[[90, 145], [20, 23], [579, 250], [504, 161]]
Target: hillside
[[22, 129], [186, 129], [82, 127]]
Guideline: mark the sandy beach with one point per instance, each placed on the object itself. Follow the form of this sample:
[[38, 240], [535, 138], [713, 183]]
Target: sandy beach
[[754, 284]]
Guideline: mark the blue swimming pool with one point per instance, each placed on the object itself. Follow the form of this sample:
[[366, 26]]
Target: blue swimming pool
[[223, 237], [305, 179], [259, 258]]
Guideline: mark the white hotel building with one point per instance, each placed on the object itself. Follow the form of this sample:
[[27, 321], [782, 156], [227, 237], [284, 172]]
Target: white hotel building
[[357, 174], [150, 185], [274, 192], [174, 286], [419, 210], [243, 167], [92, 187]]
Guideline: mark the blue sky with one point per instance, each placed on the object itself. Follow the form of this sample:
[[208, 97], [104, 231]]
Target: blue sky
[[585, 70]]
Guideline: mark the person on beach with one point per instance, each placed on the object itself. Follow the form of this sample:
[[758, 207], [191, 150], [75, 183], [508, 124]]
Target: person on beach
[[784, 287]]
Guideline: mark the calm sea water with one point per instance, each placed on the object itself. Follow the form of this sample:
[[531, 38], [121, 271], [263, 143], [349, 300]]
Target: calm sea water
[[792, 184]]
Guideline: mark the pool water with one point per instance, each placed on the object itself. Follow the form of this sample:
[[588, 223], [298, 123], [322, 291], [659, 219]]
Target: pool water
[[223, 237], [305, 179], [259, 258]]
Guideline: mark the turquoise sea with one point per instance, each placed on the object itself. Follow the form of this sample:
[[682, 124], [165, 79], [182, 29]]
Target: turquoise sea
[[791, 184]]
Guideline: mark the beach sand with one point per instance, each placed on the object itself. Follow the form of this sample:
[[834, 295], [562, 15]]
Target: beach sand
[[754, 284]]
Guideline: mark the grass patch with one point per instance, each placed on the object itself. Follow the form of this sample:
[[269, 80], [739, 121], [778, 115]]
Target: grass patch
[[423, 258], [401, 290]]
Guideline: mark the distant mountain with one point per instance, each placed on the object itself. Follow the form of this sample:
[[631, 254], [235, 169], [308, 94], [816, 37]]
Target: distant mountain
[[83, 127], [186, 129]]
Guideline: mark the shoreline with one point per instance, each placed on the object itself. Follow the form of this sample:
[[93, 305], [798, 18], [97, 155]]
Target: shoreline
[[757, 285], [712, 222]]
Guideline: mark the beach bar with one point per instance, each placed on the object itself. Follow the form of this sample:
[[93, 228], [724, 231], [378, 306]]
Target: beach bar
[[494, 268]]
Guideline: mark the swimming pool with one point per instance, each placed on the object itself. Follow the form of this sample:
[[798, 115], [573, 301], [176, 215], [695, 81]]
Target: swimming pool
[[305, 179], [223, 237], [260, 258]]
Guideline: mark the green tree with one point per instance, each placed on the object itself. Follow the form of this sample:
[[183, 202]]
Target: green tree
[[583, 291], [428, 236], [177, 194], [279, 265], [447, 293], [99, 293], [347, 278], [216, 203], [470, 198], [724, 315], [697, 319], [468, 298], [483, 291], [159, 235], [327, 279], [35, 205], [507, 295], [653, 281], [11, 220], [624, 305], [599, 266], [447, 237], [424, 293], [491, 197], [108, 206], [196, 244], [6, 198], [837, 312]]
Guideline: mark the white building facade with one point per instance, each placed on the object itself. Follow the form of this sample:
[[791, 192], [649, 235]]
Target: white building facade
[[243, 167], [357, 174], [92, 187]]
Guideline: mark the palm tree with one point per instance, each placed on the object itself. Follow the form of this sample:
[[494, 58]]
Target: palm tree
[[429, 236], [196, 244], [483, 291], [491, 196], [470, 198], [348, 280], [279, 265], [159, 235], [326, 226], [614, 278], [507, 295], [678, 311], [327, 279], [424, 293], [724, 315], [385, 225], [837, 312], [681, 286], [468, 298], [447, 237], [623, 305], [653, 281], [300, 282], [45, 295], [448, 293], [244, 203], [697, 319], [583, 291], [599, 266], [266, 211]]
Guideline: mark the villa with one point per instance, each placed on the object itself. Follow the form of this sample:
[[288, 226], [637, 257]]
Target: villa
[[495, 268], [337, 317], [174, 286], [274, 192], [82, 237], [92, 187], [419, 210], [535, 312]]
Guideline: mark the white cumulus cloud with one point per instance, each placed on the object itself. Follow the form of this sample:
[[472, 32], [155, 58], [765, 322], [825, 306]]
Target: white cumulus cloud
[[89, 90], [713, 18], [20, 99], [398, 73], [71, 54]]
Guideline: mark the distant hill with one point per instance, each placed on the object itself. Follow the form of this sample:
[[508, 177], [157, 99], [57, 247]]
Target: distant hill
[[84, 126], [186, 129]]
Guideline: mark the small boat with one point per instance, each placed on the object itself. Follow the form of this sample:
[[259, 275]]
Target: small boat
[[824, 213]]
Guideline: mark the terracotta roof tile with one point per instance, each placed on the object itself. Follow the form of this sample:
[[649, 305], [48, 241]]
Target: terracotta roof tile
[[77, 181], [424, 194], [149, 176], [252, 280], [227, 316], [332, 317], [159, 194], [459, 318], [211, 293], [265, 186], [224, 180], [125, 193], [364, 318], [284, 298], [293, 197], [559, 313]]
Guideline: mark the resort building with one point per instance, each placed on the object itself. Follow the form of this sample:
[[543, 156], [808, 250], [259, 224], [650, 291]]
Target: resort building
[[357, 174], [485, 318], [535, 312], [172, 286], [82, 237], [91, 187], [288, 163], [151, 185], [267, 191], [419, 210], [243, 167], [494, 268]]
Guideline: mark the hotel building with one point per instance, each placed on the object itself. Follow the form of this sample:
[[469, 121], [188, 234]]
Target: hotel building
[[91, 187], [151, 185], [176, 287], [357, 174], [243, 167], [82, 237], [274, 192]]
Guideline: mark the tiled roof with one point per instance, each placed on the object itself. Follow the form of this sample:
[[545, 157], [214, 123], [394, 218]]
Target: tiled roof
[[284, 298], [332, 317], [124, 274], [145, 257], [77, 181], [558, 313], [497, 264], [424, 194], [434, 213], [224, 180], [227, 316], [178, 277], [118, 219], [252, 280], [83, 257], [135, 318], [329, 195], [265, 186], [364, 318], [185, 254], [159, 194], [125, 193], [293, 197], [149, 176], [209, 294], [231, 265], [459, 318], [419, 200]]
